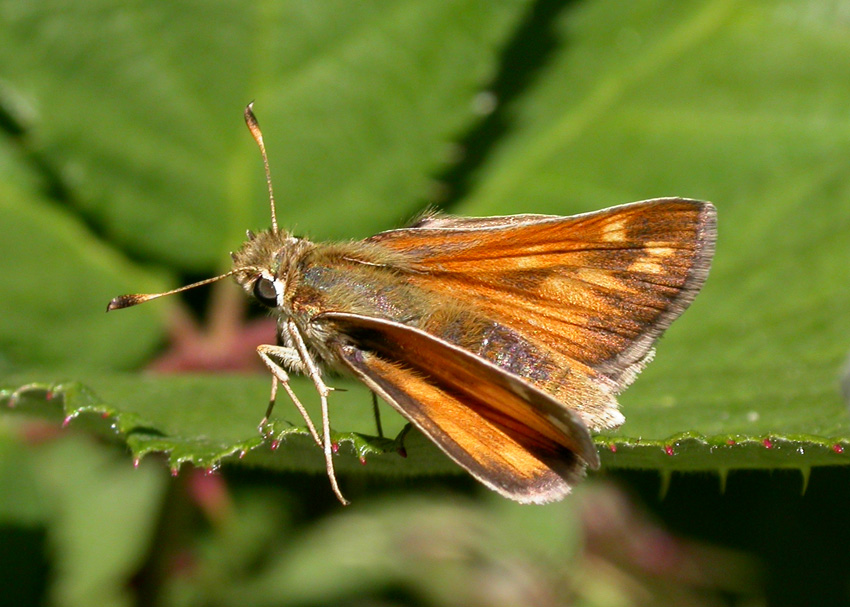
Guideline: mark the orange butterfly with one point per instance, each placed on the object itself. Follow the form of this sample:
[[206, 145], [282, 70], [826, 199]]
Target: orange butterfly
[[503, 339]]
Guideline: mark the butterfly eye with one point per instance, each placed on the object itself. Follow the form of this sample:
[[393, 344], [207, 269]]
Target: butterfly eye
[[265, 292]]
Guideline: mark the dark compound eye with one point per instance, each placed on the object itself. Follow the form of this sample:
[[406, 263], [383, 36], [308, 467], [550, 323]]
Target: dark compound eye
[[265, 292]]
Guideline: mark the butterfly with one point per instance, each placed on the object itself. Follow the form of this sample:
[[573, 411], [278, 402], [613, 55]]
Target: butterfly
[[504, 340]]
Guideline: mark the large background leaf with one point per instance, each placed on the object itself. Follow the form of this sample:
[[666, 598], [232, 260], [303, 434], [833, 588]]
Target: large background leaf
[[701, 101], [124, 164], [139, 110]]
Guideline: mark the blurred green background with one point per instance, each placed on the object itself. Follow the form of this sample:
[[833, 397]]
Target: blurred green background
[[125, 167]]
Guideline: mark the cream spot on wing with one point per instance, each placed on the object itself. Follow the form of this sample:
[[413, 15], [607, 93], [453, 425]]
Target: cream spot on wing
[[573, 294], [601, 278], [654, 250], [648, 265], [523, 262], [615, 231], [557, 288], [653, 259]]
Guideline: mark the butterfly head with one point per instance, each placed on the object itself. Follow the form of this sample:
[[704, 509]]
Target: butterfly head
[[261, 266]]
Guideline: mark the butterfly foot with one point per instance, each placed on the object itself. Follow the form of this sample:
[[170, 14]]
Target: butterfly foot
[[266, 429], [400, 448]]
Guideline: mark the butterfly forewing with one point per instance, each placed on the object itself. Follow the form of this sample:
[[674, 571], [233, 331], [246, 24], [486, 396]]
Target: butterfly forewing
[[586, 294]]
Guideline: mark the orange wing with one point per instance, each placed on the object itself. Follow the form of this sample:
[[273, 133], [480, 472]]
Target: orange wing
[[511, 436], [590, 293]]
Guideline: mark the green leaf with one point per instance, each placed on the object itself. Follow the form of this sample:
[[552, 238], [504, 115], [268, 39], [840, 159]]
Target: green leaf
[[98, 496], [97, 512], [139, 110], [56, 280], [434, 548], [157, 415], [720, 100]]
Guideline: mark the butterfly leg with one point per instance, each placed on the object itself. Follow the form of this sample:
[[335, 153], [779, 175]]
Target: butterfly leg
[[269, 409], [377, 413], [312, 370], [271, 355]]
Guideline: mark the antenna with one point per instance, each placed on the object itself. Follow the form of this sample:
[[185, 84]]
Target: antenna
[[254, 127], [126, 301]]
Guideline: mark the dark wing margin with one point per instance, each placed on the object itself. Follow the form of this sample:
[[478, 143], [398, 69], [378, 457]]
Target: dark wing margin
[[627, 364], [511, 436]]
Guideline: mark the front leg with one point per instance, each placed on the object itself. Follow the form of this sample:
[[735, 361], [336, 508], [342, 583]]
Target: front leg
[[312, 369], [272, 357]]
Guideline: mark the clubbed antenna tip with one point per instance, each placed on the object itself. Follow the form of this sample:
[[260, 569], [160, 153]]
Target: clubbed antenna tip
[[126, 301], [254, 127]]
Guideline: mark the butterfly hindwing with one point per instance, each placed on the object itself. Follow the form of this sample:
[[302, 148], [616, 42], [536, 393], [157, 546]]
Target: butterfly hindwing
[[513, 437]]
